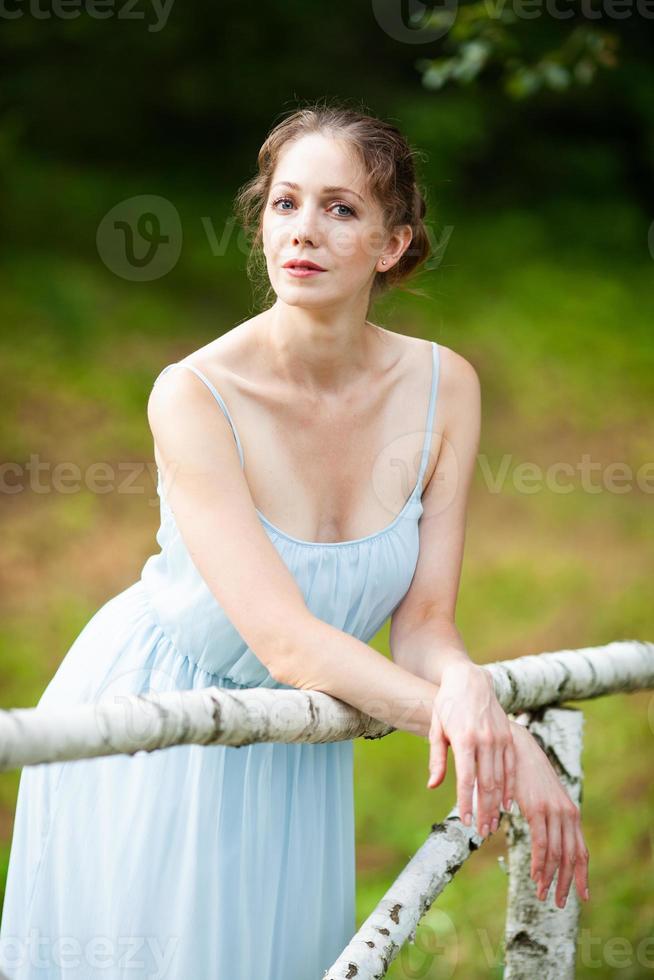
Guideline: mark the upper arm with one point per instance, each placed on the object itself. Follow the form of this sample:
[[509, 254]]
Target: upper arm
[[206, 489], [435, 584]]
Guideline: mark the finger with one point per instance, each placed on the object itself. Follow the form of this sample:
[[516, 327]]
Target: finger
[[509, 774], [568, 858], [538, 830], [464, 760], [581, 865], [498, 773], [553, 853], [437, 753], [485, 786]]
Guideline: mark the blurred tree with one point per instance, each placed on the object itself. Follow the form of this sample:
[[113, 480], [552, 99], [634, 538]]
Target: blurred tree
[[164, 103], [488, 34]]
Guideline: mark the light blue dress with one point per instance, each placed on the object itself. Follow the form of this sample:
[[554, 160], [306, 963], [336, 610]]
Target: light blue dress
[[198, 862]]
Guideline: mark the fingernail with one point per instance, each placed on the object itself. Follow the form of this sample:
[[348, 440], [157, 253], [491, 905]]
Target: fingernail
[[484, 830], [586, 894], [494, 824], [467, 819], [510, 804]]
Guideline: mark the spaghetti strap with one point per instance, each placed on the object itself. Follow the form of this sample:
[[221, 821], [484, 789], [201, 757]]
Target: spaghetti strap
[[435, 379], [216, 395]]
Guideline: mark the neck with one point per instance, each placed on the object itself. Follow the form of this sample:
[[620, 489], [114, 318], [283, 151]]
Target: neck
[[323, 350]]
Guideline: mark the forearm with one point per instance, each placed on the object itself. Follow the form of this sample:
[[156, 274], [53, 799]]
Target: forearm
[[429, 647], [324, 658]]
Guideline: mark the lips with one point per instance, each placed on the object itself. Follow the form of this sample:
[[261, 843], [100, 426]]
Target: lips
[[303, 264]]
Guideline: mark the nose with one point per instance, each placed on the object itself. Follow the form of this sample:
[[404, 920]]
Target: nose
[[303, 237], [305, 228]]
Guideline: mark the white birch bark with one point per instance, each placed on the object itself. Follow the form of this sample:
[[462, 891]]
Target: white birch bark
[[127, 724], [375, 945], [541, 679], [211, 716]]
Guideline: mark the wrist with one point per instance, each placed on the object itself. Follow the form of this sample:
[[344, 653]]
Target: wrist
[[468, 672], [459, 663]]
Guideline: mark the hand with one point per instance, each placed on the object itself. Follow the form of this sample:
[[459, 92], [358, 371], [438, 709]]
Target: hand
[[467, 715], [554, 821]]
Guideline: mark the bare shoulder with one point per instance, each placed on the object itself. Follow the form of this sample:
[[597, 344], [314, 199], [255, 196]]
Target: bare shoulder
[[222, 361], [175, 391], [459, 380], [457, 419], [458, 385], [185, 425], [182, 408]]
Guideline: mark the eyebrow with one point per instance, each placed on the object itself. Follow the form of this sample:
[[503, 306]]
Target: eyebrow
[[325, 190]]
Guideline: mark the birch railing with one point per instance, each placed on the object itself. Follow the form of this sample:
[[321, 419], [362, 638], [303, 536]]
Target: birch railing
[[540, 938]]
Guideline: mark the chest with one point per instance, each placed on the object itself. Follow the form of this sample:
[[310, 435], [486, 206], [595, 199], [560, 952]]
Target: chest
[[335, 476]]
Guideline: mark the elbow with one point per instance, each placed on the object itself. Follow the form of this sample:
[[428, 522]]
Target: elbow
[[283, 666], [284, 651], [274, 654], [279, 664]]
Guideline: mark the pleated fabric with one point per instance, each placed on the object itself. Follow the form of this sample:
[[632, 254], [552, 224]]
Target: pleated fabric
[[196, 862]]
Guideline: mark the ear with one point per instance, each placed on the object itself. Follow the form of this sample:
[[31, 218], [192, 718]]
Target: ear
[[395, 247]]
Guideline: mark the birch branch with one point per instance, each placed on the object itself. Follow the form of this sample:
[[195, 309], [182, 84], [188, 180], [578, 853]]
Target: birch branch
[[375, 945], [538, 680], [212, 716]]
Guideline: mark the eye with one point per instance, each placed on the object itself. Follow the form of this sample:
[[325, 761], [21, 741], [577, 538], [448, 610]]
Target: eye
[[338, 204], [279, 201], [347, 207]]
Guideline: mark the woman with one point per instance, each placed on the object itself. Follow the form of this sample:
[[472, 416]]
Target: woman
[[286, 542]]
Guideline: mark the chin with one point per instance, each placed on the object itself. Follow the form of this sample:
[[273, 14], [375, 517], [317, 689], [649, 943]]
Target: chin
[[307, 298]]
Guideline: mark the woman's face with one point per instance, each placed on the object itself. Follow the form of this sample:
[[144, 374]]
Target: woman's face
[[340, 230]]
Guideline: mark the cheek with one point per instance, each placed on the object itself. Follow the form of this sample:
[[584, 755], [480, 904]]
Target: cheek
[[351, 246], [272, 233]]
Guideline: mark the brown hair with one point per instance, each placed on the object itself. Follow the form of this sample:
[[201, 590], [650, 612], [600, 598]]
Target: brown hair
[[389, 165]]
